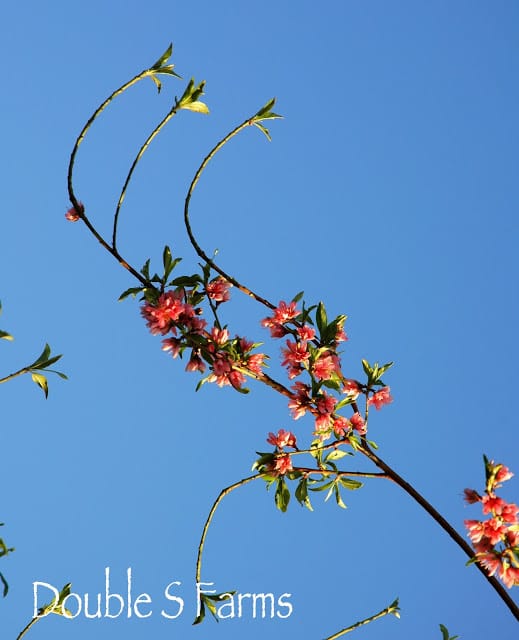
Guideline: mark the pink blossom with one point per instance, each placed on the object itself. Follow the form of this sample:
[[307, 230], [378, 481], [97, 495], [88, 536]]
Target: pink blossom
[[173, 345], [219, 336], [282, 439], [325, 366], [340, 336], [285, 312], [494, 530], [475, 528], [295, 355], [509, 513], [300, 402], [195, 363], [283, 464], [512, 538], [509, 575], [282, 313], [381, 398], [159, 317], [306, 332], [73, 214], [276, 330], [341, 426], [218, 289], [245, 345], [357, 422], [325, 404], [236, 379], [351, 388], [483, 546], [194, 324], [221, 370], [490, 561], [255, 362], [503, 474], [492, 504]]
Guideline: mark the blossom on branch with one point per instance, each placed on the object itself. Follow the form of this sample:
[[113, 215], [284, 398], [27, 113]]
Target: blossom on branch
[[160, 318], [380, 398], [283, 313], [73, 214], [282, 439], [218, 289], [495, 539]]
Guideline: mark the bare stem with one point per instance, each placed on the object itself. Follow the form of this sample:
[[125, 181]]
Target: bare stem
[[139, 155], [392, 608], [21, 372], [222, 495], [27, 627], [187, 222], [73, 199]]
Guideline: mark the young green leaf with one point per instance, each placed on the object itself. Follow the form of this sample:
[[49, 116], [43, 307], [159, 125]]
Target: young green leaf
[[301, 494], [282, 496], [41, 381], [445, 633], [163, 58], [132, 291]]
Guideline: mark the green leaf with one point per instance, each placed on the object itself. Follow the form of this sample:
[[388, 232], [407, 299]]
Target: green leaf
[[445, 633], [157, 82], [338, 498], [41, 381], [146, 269], [197, 106], [321, 317], [349, 483], [263, 460], [323, 487], [301, 494], [343, 403], [263, 130], [265, 112], [42, 358], [337, 455], [282, 496], [57, 607], [6, 336], [45, 363], [132, 291], [189, 99], [367, 368], [164, 57], [298, 296]]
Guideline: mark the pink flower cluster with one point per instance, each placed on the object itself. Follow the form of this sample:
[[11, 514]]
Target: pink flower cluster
[[323, 364], [228, 359], [282, 463], [496, 539]]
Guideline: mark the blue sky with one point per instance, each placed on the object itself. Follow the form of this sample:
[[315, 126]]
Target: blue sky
[[389, 191]]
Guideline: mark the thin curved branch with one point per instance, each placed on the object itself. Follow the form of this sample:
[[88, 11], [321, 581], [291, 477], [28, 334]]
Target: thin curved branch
[[173, 111], [79, 208], [187, 222], [221, 496]]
